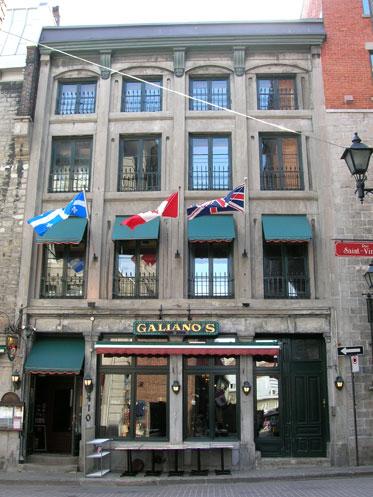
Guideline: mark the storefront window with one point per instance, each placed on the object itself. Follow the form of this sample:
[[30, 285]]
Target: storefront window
[[267, 407], [211, 401], [134, 397]]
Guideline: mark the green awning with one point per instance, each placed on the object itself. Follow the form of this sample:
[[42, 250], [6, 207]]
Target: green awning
[[211, 228], [56, 356], [286, 228], [146, 231], [69, 231]]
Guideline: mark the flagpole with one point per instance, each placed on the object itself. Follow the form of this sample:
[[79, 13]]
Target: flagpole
[[244, 253], [177, 253], [85, 200]]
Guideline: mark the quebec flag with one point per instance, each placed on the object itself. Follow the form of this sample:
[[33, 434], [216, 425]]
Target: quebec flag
[[76, 207]]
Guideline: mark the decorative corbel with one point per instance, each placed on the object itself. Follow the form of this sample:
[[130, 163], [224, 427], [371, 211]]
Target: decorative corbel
[[105, 60], [179, 62], [239, 60]]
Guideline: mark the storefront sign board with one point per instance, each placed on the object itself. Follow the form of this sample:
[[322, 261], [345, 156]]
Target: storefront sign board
[[185, 328]]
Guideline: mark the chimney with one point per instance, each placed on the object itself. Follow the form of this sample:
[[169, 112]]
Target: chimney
[[56, 14]]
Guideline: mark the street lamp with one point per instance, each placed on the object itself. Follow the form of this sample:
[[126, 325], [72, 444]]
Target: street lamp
[[357, 158]]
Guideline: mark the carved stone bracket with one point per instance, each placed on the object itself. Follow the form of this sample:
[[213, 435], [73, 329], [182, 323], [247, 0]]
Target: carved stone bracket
[[239, 60], [179, 62], [105, 60]]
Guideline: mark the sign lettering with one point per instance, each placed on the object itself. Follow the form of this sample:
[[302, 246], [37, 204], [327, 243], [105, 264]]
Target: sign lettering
[[165, 328], [353, 249]]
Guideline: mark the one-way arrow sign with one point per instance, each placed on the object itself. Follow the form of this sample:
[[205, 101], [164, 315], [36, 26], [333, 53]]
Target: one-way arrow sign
[[353, 350]]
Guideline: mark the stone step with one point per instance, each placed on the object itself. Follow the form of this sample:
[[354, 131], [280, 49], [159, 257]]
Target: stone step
[[291, 462], [45, 468], [51, 462]]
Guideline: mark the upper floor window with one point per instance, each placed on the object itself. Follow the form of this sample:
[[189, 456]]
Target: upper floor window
[[136, 269], [71, 164], [210, 162], [211, 273], [286, 270], [212, 90], [63, 270], [280, 163], [141, 96], [367, 11], [276, 93], [139, 164], [76, 98]]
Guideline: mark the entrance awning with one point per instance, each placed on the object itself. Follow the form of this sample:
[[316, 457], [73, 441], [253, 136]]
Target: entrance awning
[[146, 231], [211, 228], [270, 348], [69, 231], [56, 356], [286, 228]]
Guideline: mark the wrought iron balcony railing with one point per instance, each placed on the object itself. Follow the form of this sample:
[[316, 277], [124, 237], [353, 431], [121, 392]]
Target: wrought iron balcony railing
[[72, 102], [139, 286], [217, 286], [57, 286], [276, 100], [69, 181], [281, 180], [291, 287], [219, 97], [137, 102], [147, 182]]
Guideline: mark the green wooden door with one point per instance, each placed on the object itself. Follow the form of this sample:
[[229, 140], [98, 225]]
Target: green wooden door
[[292, 422]]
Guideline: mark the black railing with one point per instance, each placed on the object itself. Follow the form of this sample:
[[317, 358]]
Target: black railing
[[65, 180], [140, 286], [281, 180], [72, 102], [291, 287], [147, 182], [218, 97], [217, 286], [204, 179], [134, 101], [57, 286], [284, 99]]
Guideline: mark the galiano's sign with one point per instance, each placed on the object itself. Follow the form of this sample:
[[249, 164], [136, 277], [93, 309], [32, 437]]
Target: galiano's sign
[[188, 328], [353, 249]]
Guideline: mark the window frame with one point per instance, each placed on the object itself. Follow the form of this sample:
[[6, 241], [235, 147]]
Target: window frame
[[66, 248], [140, 142], [153, 79], [285, 258], [276, 78], [209, 80], [279, 137], [230, 283], [213, 370], [210, 137], [72, 141], [137, 255], [134, 370], [78, 83], [366, 8]]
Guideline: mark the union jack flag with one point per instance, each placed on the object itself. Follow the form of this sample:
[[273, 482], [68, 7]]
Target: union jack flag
[[233, 201]]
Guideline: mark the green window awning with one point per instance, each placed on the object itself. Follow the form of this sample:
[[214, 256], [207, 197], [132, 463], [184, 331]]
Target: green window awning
[[146, 231], [286, 228], [69, 231], [56, 356], [211, 228]]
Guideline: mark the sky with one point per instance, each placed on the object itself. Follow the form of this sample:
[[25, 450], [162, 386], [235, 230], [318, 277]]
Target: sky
[[83, 12]]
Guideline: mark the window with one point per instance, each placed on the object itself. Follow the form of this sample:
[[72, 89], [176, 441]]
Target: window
[[276, 93], [141, 97], [214, 90], [140, 164], [366, 8], [211, 397], [71, 164], [280, 163], [76, 98], [286, 271], [210, 162], [211, 270], [63, 271], [136, 269], [133, 397]]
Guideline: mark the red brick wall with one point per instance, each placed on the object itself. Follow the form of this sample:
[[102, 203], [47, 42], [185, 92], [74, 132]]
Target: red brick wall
[[345, 60]]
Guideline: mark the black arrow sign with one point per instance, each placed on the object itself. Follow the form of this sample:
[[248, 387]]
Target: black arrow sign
[[352, 350]]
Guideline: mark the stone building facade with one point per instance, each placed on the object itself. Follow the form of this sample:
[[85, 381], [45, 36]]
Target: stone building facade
[[261, 279]]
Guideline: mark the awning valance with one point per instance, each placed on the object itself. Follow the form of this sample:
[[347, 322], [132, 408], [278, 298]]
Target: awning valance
[[211, 228], [56, 356], [69, 231], [146, 231], [270, 348], [286, 228]]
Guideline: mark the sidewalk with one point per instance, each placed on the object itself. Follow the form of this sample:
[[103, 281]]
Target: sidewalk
[[291, 473]]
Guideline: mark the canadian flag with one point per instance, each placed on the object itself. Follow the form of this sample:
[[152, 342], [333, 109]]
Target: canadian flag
[[168, 208]]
